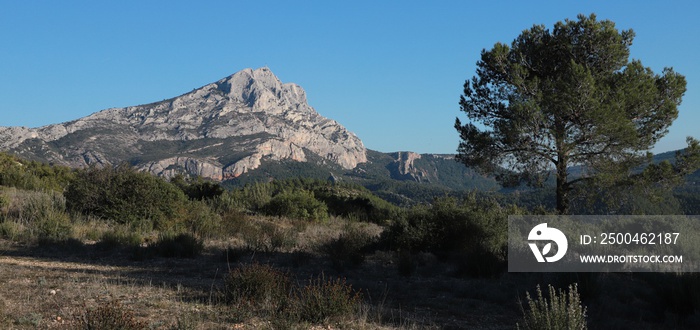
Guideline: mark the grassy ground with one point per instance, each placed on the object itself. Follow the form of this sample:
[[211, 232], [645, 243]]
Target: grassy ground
[[52, 285]]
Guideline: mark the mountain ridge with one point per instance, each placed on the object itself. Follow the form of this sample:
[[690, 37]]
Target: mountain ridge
[[220, 131]]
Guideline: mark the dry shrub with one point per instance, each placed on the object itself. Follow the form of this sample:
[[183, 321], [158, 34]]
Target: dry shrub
[[563, 310], [110, 316], [258, 285], [323, 299]]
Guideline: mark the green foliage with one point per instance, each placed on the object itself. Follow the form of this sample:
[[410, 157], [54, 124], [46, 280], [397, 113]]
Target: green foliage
[[31, 175], [689, 199], [252, 197], [563, 98], [53, 226], [473, 232], [198, 189], [299, 204], [656, 188], [110, 316], [355, 202], [323, 299], [126, 196], [33, 319], [562, 310], [203, 221], [310, 200], [44, 216]]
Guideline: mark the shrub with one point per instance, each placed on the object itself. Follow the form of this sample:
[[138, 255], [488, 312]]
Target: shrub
[[262, 287], [355, 202], [110, 316], [560, 311], [268, 237], [183, 245], [198, 189], [299, 204], [473, 233], [323, 299], [282, 239], [32, 175], [119, 238], [4, 203], [126, 196], [203, 221], [349, 248], [10, 230], [232, 221], [46, 217]]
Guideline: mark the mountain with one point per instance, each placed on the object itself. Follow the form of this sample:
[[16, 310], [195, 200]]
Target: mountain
[[219, 131], [244, 128]]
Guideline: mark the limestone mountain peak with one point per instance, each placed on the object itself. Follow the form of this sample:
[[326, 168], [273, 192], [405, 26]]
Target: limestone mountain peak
[[261, 90], [220, 130]]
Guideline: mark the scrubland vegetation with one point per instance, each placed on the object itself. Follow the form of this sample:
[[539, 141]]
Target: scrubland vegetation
[[112, 248]]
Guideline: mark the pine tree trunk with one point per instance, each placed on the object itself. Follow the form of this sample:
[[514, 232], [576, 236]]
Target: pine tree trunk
[[562, 188]]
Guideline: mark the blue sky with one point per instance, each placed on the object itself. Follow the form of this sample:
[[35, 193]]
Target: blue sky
[[390, 71]]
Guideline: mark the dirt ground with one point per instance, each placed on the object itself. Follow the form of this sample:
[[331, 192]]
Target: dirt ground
[[50, 286]]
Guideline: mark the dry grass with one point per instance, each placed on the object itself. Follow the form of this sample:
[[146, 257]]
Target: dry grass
[[51, 287]]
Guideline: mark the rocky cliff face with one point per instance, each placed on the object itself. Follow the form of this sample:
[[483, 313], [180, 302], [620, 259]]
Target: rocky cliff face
[[404, 168], [218, 131]]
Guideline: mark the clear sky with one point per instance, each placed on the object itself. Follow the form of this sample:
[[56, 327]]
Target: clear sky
[[390, 71]]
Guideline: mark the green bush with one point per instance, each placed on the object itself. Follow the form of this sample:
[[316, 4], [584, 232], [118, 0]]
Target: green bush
[[45, 216], [562, 310], [110, 316], [198, 189], [299, 204], [126, 196], [203, 221], [472, 232], [32, 175], [324, 299], [355, 202]]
